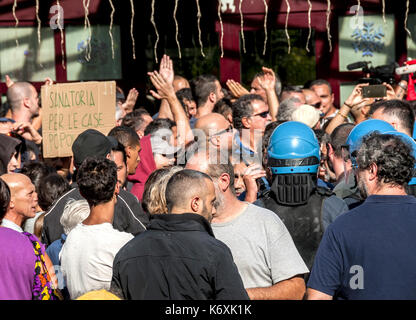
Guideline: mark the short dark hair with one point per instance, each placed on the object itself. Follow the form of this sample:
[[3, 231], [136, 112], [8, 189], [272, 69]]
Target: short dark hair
[[320, 82], [180, 184], [392, 155], [97, 180], [202, 86], [127, 136], [223, 107], [400, 109], [50, 189], [4, 198], [157, 124], [185, 94], [135, 119], [242, 108], [120, 148], [339, 137], [36, 171]]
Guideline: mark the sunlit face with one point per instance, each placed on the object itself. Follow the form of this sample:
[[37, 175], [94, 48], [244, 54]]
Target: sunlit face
[[191, 106], [34, 102], [133, 158], [327, 99], [260, 117], [257, 89], [121, 167], [218, 92], [239, 185], [25, 198]]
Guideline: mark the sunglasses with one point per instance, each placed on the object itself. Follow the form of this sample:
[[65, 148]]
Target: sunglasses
[[229, 129], [263, 114], [317, 105]]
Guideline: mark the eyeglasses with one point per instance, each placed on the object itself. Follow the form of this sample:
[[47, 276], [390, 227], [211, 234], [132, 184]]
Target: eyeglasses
[[229, 129], [263, 114]]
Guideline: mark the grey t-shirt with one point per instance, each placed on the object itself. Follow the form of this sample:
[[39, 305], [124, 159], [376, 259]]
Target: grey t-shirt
[[262, 247]]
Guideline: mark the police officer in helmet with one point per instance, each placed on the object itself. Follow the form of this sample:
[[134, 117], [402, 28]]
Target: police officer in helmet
[[293, 161]]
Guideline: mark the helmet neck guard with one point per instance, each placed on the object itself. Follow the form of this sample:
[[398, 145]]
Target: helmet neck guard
[[293, 189]]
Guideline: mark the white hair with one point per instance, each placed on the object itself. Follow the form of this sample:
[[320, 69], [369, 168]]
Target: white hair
[[74, 213]]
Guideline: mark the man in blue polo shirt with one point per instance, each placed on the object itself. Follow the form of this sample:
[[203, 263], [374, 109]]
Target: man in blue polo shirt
[[367, 253]]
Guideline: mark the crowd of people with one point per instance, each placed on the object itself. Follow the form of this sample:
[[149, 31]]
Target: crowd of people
[[225, 193]]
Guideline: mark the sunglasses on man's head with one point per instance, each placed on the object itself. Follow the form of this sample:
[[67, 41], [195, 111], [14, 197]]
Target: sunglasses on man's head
[[263, 114], [229, 129]]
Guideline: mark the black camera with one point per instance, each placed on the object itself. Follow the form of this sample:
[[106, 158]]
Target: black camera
[[377, 75]]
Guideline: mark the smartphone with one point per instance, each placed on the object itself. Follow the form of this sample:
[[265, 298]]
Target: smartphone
[[374, 91]]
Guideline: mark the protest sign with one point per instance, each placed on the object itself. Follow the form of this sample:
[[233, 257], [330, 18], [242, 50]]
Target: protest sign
[[71, 108]]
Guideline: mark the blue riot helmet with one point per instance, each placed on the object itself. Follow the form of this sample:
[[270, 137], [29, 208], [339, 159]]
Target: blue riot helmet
[[360, 130], [412, 143], [293, 148]]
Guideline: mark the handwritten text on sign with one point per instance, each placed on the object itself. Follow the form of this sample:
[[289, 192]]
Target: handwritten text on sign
[[69, 109]]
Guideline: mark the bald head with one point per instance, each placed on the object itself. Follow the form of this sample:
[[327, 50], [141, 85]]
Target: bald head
[[190, 191], [212, 123], [179, 83], [23, 198], [17, 92], [15, 181]]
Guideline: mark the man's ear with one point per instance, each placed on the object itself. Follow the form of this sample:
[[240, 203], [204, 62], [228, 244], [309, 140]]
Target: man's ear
[[196, 204], [215, 140], [128, 151], [246, 122], [330, 151], [12, 204], [224, 182], [26, 102], [212, 97], [372, 172], [117, 189], [332, 98]]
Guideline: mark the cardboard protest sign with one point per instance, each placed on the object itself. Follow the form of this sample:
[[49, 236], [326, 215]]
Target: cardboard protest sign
[[71, 108]]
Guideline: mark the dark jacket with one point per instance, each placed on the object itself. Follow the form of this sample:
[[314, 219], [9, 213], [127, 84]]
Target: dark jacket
[[128, 215], [177, 258]]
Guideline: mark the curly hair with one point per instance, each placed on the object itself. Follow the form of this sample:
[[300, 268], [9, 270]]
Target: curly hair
[[97, 180], [392, 155]]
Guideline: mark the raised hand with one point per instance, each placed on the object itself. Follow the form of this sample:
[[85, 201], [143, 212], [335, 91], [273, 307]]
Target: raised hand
[[268, 80], [237, 90], [9, 82], [162, 85], [166, 68], [130, 102], [251, 173]]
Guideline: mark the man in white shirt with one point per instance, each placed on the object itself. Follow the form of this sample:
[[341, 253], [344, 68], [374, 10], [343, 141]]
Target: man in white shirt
[[89, 250], [23, 201]]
